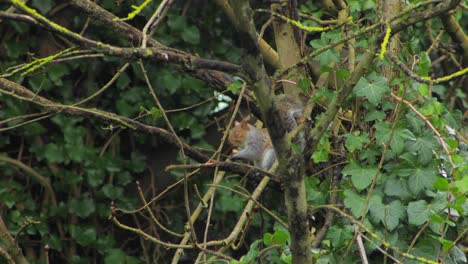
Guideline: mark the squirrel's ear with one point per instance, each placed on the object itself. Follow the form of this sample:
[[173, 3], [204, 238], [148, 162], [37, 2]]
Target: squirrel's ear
[[236, 123], [244, 124]]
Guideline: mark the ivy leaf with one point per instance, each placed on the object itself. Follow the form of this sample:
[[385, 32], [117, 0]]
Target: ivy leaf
[[361, 177], [82, 208], [322, 151], [355, 141], [112, 192], [339, 234], [423, 146], [418, 212], [373, 89], [85, 236], [331, 55]]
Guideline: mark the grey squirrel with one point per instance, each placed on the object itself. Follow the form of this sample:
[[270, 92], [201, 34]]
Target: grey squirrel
[[255, 144]]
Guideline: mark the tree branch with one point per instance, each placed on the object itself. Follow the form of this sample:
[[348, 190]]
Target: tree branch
[[22, 93]]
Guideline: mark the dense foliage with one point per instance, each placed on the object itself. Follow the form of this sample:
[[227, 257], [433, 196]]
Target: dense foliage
[[387, 181]]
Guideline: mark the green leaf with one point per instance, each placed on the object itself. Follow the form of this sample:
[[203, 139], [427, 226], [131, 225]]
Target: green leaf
[[112, 192], [253, 252], [267, 239], [191, 35], [314, 194], [423, 145], [304, 84], [454, 119], [55, 242], [43, 6], [398, 187], [373, 89], [280, 237], [389, 215], [54, 153], [322, 151], [355, 141], [361, 177], [156, 113], [56, 73], [441, 184], [418, 212], [85, 236], [82, 208], [331, 55], [235, 86], [462, 185], [116, 255], [123, 81], [424, 64], [95, 177], [137, 162], [177, 23], [342, 74], [339, 234], [422, 179], [355, 202]]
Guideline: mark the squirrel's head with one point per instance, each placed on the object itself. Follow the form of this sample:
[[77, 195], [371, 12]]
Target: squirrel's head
[[238, 133]]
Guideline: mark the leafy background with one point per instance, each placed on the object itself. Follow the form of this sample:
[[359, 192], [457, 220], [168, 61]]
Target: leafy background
[[413, 205]]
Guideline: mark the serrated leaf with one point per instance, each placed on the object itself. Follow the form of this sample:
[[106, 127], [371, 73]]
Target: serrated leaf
[[389, 215], [85, 236], [112, 192], [398, 187], [339, 234], [418, 212], [360, 176], [355, 141], [82, 208], [421, 179], [423, 146], [373, 88], [355, 202]]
